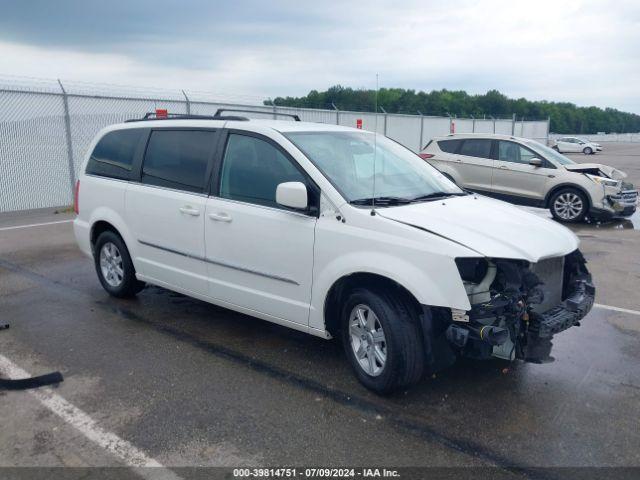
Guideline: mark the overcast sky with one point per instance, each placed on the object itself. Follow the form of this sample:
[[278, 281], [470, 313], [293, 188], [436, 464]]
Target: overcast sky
[[567, 50]]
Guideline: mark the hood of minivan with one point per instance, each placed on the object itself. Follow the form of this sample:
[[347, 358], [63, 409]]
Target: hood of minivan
[[490, 227], [597, 169]]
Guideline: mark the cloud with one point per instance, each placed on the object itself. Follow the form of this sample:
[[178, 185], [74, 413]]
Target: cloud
[[579, 51]]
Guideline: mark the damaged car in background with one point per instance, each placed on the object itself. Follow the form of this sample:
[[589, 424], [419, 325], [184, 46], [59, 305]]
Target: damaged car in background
[[332, 231], [526, 172]]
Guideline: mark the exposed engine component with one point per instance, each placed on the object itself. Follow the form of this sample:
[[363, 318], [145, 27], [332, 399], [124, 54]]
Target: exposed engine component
[[477, 275], [517, 307]]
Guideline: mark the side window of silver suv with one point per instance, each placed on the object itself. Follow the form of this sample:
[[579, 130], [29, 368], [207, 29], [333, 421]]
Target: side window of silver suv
[[476, 148], [512, 152], [449, 146]]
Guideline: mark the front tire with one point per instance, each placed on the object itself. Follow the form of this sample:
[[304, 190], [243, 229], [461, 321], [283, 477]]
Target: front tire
[[382, 339], [114, 266], [587, 151], [569, 205], [556, 148]]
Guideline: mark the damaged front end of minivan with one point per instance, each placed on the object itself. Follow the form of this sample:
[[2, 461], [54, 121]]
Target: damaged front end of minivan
[[517, 306]]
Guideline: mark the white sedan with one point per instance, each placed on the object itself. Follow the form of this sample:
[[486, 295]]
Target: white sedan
[[576, 144]]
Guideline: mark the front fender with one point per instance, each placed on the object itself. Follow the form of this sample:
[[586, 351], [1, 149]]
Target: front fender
[[435, 283]]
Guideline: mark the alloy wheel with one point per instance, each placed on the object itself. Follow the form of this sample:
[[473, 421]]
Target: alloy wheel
[[568, 206], [367, 340], [111, 264]]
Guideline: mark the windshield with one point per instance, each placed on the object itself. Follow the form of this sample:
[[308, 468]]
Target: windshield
[[550, 154], [347, 160]]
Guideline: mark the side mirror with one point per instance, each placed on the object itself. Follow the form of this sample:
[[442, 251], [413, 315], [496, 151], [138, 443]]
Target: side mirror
[[536, 162], [292, 195]]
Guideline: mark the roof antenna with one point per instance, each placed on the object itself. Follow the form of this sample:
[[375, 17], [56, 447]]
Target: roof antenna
[[375, 151]]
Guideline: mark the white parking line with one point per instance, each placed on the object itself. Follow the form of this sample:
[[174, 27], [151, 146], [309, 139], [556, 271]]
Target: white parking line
[[617, 309], [16, 227], [125, 451]]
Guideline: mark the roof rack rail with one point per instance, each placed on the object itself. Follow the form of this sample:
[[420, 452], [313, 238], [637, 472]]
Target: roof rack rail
[[292, 115], [186, 116]]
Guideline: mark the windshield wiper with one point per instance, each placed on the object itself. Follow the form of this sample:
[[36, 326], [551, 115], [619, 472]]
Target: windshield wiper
[[390, 201], [437, 195], [381, 201]]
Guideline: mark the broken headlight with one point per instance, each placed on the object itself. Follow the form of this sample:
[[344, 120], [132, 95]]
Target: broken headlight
[[604, 181]]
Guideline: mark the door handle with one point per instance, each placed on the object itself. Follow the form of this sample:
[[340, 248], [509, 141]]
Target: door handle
[[220, 217], [457, 160], [187, 210], [504, 167]]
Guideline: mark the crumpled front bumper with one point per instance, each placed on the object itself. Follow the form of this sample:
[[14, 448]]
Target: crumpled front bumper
[[568, 313], [543, 326], [514, 323], [625, 200], [620, 204]]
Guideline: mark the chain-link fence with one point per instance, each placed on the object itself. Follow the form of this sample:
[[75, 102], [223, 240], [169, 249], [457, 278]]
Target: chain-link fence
[[46, 127]]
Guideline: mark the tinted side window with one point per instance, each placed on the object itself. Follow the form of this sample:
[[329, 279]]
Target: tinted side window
[[449, 146], [476, 148], [114, 153], [512, 152], [178, 159], [252, 169]]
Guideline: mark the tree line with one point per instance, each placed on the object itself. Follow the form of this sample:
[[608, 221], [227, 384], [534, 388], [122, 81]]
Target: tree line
[[565, 117]]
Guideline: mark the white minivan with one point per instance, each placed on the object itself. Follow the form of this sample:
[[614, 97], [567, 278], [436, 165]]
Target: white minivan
[[329, 230]]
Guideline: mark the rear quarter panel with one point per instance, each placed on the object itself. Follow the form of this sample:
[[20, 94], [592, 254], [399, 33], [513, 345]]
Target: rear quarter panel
[[102, 199]]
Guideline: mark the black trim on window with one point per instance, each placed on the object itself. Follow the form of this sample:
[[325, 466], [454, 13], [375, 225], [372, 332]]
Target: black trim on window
[[214, 178], [312, 188], [136, 167]]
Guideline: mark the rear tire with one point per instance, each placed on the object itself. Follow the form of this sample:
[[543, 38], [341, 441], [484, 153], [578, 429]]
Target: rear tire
[[587, 151], [382, 339], [569, 205], [114, 266]]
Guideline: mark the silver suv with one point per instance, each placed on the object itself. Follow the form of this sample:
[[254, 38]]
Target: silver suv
[[526, 172]]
